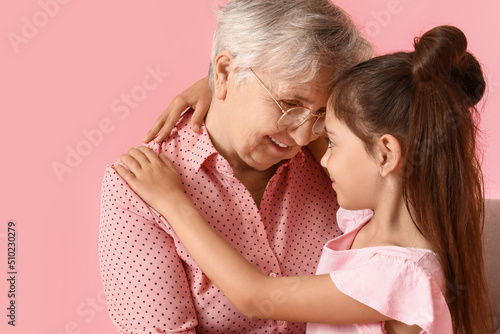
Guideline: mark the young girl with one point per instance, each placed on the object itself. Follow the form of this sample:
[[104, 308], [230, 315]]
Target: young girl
[[402, 158]]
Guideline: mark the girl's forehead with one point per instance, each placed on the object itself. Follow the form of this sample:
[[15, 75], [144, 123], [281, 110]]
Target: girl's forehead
[[335, 126]]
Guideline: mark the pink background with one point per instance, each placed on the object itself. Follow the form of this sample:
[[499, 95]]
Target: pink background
[[64, 84]]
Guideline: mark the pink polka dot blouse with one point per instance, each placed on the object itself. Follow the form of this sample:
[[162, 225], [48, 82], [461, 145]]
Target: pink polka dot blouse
[[152, 285]]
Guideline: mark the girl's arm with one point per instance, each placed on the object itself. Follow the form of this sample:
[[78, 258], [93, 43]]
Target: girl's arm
[[198, 97], [300, 298]]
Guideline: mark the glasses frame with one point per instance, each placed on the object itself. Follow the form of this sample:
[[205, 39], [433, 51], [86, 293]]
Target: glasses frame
[[285, 112]]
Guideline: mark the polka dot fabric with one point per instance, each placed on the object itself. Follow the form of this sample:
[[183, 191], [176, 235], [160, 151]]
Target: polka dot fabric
[[152, 285]]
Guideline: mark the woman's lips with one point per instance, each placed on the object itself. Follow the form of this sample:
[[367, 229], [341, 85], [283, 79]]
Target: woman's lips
[[279, 145]]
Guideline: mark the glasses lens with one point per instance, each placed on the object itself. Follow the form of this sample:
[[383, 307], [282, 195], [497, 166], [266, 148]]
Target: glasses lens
[[294, 117], [319, 126]]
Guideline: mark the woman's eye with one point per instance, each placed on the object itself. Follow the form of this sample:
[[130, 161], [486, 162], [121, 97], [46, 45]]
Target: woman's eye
[[288, 104]]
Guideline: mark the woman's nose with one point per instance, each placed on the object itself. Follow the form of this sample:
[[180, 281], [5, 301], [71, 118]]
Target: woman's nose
[[303, 134]]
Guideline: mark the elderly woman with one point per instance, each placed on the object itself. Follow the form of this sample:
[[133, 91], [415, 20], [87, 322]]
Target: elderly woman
[[247, 171]]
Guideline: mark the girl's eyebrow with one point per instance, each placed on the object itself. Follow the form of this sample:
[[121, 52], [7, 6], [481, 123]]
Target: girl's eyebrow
[[329, 131]]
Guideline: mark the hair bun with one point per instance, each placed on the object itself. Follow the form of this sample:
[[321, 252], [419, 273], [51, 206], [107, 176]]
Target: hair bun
[[437, 51], [441, 53]]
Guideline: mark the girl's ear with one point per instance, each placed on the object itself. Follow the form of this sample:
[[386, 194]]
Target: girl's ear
[[222, 69], [388, 154]]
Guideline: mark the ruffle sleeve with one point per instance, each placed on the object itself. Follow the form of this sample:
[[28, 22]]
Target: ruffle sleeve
[[348, 220], [398, 288]]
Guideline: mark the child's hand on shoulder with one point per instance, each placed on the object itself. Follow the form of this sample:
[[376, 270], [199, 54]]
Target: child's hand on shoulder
[[153, 177]]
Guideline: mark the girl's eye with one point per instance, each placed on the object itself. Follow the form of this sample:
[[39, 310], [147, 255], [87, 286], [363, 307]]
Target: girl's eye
[[329, 142]]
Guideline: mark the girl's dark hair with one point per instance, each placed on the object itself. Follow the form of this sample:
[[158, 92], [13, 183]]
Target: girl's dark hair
[[426, 99]]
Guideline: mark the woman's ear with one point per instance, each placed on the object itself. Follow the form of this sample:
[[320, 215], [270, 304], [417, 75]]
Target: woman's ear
[[222, 69], [388, 154]]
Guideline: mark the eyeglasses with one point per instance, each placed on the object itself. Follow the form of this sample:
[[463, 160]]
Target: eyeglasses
[[296, 116]]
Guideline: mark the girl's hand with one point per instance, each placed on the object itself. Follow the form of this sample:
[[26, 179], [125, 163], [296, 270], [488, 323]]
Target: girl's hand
[[197, 97], [154, 178]]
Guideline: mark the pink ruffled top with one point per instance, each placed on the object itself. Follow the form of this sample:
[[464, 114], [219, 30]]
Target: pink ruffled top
[[405, 284]]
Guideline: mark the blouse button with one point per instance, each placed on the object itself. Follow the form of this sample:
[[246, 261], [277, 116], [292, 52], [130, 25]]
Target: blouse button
[[281, 323], [272, 275]]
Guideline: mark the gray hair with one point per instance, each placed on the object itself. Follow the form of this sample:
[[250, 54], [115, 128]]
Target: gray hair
[[291, 39]]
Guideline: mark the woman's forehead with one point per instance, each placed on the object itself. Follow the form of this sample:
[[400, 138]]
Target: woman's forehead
[[301, 90], [308, 93]]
